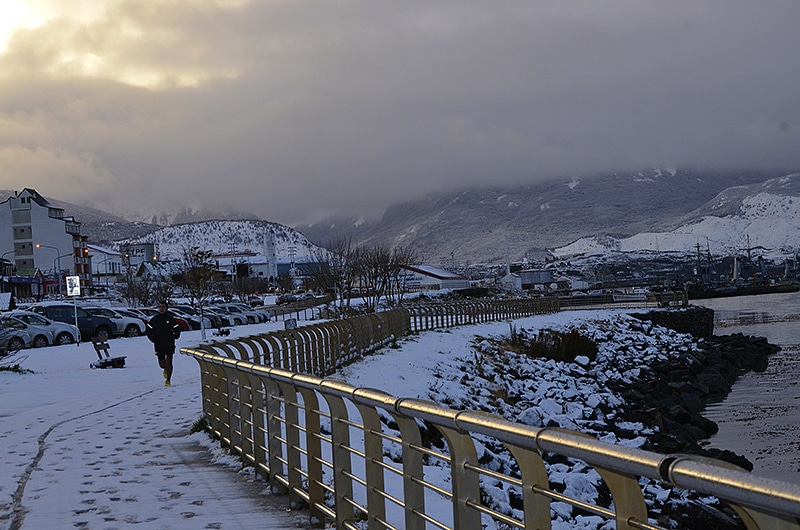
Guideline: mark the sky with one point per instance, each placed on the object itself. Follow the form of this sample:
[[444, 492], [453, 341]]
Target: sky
[[111, 448], [295, 110]]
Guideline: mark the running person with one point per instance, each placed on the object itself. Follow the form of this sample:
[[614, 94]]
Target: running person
[[162, 330]]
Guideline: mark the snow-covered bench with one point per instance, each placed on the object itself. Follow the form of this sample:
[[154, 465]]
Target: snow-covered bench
[[101, 346]]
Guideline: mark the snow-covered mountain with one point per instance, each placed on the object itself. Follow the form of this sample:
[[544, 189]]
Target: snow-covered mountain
[[597, 212], [188, 215], [230, 237], [764, 217]]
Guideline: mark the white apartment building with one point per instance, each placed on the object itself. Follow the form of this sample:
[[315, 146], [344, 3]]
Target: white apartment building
[[39, 240]]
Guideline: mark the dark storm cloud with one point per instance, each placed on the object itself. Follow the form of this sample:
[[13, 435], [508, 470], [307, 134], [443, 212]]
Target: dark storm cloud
[[295, 109]]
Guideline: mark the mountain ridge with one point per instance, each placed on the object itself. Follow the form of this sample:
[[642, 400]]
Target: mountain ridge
[[655, 209], [474, 225]]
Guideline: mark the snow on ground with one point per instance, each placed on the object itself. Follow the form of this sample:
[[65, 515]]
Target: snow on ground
[[453, 368], [109, 448], [105, 449]]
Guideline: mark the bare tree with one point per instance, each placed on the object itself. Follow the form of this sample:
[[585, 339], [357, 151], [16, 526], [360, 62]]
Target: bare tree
[[161, 290], [197, 278], [402, 258], [143, 292], [341, 258], [373, 273]]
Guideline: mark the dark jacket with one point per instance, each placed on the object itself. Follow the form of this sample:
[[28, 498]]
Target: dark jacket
[[162, 330]]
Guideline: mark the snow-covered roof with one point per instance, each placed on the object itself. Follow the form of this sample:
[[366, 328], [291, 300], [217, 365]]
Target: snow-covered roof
[[435, 272], [102, 250]]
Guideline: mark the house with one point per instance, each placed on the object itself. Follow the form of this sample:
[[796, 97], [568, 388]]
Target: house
[[38, 236], [157, 271], [511, 282], [106, 265], [426, 277], [536, 279]]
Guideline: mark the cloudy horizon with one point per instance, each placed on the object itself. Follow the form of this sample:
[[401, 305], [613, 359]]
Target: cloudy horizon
[[295, 110]]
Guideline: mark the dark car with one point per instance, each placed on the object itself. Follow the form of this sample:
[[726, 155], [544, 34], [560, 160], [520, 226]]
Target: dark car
[[90, 325], [212, 320], [287, 298]]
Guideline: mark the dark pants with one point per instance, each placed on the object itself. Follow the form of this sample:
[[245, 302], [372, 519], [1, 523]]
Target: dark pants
[[165, 362]]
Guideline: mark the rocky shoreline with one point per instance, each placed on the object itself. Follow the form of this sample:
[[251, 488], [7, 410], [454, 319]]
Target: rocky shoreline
[[637, 380], [674, 393], [671, 398]]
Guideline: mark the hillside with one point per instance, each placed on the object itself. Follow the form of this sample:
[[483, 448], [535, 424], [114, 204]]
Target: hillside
[[764, 217], [224, 237], [472, 225], [652, 212]]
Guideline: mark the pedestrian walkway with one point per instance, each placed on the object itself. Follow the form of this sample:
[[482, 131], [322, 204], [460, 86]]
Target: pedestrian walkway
[[107, 449]]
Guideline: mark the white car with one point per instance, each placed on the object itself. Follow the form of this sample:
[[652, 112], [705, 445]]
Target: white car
[[45, 332], [13, 335], [126, 326]]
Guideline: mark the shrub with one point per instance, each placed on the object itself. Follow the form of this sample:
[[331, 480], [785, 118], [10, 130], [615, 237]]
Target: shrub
[[555, 345]]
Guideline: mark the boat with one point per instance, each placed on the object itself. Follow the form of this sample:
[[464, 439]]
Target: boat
[[698, 291], [747, 277]]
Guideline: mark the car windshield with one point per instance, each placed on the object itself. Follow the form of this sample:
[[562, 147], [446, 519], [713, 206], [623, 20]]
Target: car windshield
[[34, 319]]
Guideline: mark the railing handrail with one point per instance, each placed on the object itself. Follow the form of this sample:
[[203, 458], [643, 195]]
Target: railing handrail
[[271, 415]]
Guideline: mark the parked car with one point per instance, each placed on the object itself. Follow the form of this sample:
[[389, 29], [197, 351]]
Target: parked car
[[191, 322], [286, 298], [90, 325], [234, 319], [224, 319], [13, 335], [262, 315], [127, 326], [212, 320], [128, 312], [255, 301], [150, 312], [46, 332], [250, 316]]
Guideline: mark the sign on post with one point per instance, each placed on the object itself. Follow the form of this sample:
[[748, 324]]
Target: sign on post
[[73, 285], [74, 290]]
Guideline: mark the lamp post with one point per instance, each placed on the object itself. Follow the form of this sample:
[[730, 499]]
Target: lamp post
[[105, 268], [3, 275], [58, 259]]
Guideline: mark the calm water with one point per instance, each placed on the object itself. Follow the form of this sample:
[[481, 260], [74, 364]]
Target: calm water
[[760, 419]]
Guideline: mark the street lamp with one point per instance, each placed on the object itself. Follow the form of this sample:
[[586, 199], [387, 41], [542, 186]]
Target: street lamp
[[3, 276], [105, 268], [58, 258]]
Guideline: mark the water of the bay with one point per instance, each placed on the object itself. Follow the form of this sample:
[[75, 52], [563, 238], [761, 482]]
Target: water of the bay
[[760, 418]]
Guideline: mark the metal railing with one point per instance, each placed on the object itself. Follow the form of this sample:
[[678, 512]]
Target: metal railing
[[359, 457]]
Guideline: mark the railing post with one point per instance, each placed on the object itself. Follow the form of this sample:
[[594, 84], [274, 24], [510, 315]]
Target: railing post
[[293, 455], [218, 397], [260, 452], [316, 493], [413, 491], [342, 468], [536, 507], [272, 394], [234, 410], [465, 483], [628, 499]]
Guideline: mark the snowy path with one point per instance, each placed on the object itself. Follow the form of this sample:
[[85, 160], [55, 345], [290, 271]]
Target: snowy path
[[105, 449]]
